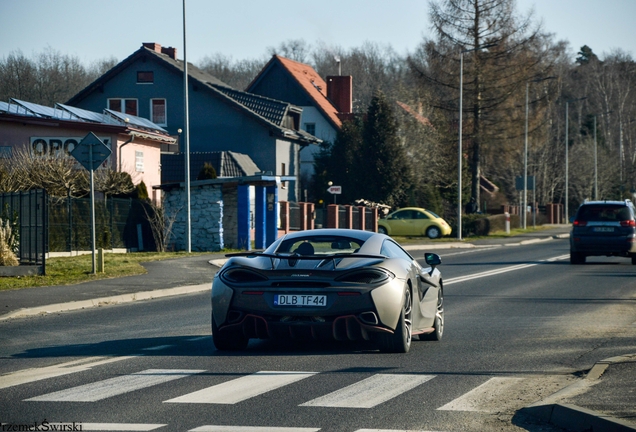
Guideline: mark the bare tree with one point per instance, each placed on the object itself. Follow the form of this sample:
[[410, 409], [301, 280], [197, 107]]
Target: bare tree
[[237, 74], [161, 224], [493, 79], [46, 78], [293, 49]]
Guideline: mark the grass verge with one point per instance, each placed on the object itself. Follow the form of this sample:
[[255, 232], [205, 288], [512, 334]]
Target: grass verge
[[76, 269]]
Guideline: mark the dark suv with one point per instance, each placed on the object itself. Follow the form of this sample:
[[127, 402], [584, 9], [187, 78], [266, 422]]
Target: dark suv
[[603, 228]]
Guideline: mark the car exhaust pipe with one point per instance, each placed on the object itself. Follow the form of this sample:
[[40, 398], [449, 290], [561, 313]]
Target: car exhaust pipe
[[369, 318]]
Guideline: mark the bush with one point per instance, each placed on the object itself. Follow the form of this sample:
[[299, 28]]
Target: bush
[[207, 172], [483, 225], [142, 191], [7, 257]]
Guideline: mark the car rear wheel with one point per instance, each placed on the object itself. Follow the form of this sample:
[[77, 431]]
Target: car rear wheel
[[577, 258], [227, 341], [433, 232], [382, 230], [634, 259], [400, 340], [438, 324]]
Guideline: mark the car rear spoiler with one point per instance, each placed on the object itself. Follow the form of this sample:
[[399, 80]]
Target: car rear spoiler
[[296, 257]]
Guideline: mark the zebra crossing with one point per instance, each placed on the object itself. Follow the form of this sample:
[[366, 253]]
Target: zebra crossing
[[365, 393]]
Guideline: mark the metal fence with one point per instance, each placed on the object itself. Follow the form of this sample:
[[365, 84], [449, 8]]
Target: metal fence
[[29, 210], [119, 223]]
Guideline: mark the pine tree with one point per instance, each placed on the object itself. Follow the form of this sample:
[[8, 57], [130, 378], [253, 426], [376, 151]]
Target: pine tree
[[382, 167]]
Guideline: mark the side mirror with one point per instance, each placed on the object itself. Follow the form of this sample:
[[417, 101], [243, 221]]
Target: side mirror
[[432, 259]]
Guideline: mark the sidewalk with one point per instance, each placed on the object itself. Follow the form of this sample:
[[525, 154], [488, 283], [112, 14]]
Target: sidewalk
[[605, 400]]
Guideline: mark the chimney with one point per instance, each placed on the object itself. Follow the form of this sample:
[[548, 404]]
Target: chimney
[[340, 92], [153, 46], [170, 52]]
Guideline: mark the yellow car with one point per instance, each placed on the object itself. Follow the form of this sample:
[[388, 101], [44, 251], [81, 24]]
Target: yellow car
[[413, 221]]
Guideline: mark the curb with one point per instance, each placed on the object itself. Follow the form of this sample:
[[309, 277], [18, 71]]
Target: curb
[[575, 418], [105, 301], [148, 295]]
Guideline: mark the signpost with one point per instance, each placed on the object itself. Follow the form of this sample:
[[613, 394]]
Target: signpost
[[335, 190], [91, 152]]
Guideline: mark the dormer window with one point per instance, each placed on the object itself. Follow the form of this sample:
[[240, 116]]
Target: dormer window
[[145, 77]]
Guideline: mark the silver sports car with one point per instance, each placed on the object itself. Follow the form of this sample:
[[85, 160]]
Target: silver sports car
[[328, 284]]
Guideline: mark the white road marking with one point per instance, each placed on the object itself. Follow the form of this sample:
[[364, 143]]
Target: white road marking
[[371, 391], [472, 400], [111, 426], [196, 339], [37, 374], [251, 429], [390, 430], [501, 270], [115, 386], [157, 348], [211, 428], [243, 388], [479, 249]]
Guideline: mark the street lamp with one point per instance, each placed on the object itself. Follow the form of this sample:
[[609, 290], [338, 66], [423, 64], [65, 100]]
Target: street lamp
[[567, 102], [459, 152], [525, 156], [595, 164], [186, 127]]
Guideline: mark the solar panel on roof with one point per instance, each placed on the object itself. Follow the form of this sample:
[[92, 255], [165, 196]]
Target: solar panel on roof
[[37, 109], [134, 120], [82, 113]]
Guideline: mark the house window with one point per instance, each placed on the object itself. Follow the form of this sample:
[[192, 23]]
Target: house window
[[145, 77], [158, 111], [139, 161], [127, 106], [310, 128]]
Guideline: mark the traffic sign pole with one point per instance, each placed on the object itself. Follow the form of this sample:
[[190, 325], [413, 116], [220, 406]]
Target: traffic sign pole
[[91, 152], [92, 211]]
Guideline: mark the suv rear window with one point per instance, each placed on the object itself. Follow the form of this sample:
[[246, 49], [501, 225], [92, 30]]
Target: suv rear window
[[604, 213]]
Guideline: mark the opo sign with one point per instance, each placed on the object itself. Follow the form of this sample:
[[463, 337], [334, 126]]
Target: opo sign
[[53, 146]]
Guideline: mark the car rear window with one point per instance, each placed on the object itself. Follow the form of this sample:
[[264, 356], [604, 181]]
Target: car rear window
[[320, 245], [603, 213]]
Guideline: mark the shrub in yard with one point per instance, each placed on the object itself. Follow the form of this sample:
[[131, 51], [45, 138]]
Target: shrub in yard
[[7, 257]]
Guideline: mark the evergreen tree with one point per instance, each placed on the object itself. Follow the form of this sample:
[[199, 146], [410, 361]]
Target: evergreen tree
[[382, 168], [142, 191], [207, 172], [335, 163]]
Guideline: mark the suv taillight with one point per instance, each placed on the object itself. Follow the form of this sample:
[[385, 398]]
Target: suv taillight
[[629, 223], [579, 223]]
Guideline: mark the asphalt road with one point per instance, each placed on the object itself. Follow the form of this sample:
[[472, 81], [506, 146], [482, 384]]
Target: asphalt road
[[521, 323]]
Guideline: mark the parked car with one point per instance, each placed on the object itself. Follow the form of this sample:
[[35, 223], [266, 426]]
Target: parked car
[[328, 284], [414, 221], [603, 228]]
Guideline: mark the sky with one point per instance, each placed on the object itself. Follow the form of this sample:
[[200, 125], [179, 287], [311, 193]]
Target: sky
[[92, 30]]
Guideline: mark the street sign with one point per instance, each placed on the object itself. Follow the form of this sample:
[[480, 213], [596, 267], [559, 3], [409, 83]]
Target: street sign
[[335, 190], [91, 152], [519, 183]]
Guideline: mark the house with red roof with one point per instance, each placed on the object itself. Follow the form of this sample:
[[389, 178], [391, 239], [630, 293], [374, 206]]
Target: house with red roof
[[325, 103]]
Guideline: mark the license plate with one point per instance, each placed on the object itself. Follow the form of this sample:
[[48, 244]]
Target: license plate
[[603, 229], [300, 300]]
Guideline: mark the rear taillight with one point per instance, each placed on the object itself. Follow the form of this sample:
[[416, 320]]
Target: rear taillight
[[628, 223], [579, 223]]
